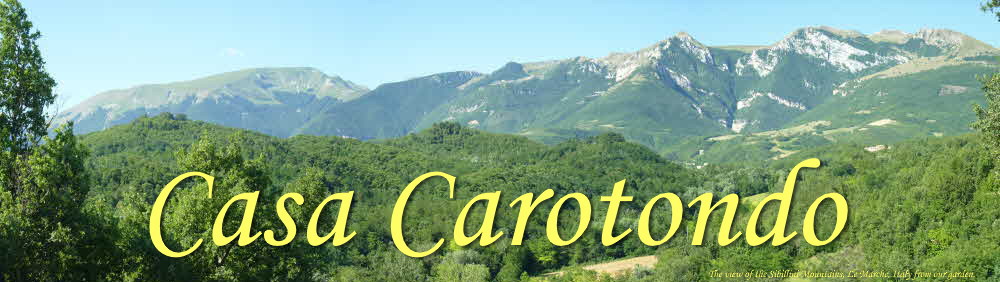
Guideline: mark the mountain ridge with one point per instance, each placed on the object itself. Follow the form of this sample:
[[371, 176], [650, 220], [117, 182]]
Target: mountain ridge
[[660, 95], [284, 91]]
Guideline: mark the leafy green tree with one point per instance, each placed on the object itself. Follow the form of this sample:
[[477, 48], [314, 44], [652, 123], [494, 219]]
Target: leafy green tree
[[45, 231], [461, 266], [989, 117], [544, 254], [48, 232], [513, 265], [684, 263], [992, 6], [189, 217], [26, 88], [454, 272], [391, 265]]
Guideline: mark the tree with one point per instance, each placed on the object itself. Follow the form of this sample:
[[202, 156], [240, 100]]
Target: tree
[[992, 6], [989, 117], [513, 265], [461, 266], [45, 231], [190, 216], [25, 91], [453, 272], [391, 265], [26, 88]]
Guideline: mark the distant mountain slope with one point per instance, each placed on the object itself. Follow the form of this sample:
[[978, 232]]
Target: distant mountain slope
[[678, 96], [391, 110], [874, 111], [270, 100], [679, 88]]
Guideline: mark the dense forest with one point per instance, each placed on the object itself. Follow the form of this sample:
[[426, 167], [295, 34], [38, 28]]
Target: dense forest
[[78, 208], [927, 205]]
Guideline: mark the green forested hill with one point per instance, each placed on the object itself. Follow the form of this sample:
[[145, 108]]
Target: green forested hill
[[276, 159], [924, 205], [136, 159]]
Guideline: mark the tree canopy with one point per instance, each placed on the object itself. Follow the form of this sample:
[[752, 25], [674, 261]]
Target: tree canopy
[[26, 88]]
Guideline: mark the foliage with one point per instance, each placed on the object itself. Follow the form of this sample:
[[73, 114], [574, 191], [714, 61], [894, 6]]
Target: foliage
[[77, 208], [953, 175], [47, 232], [989, 117], [26, 89], [992, 6]]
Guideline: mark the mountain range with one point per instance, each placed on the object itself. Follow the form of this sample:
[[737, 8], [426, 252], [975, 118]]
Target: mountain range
[[272, 101], [688, 101]]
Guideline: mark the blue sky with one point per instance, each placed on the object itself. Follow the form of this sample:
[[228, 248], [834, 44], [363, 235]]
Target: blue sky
[[92, 46]]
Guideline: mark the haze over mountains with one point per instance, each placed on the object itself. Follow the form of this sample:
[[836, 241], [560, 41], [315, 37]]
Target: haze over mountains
[[684, 99], [272, 101]]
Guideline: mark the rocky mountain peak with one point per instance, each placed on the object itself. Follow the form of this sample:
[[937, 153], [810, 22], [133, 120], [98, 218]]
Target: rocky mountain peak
[[840, 32], [509, 71], [830, 45], [829, 31], [694, 48], [683, 36], [940, 37], [956, 43]]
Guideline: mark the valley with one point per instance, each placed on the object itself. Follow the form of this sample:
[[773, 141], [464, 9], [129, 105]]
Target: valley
[[539, 141], [949, 182]]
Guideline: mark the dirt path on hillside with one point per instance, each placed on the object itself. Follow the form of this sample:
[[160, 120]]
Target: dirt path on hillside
[[618, 266]]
